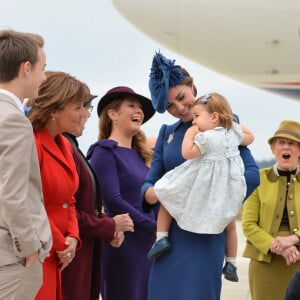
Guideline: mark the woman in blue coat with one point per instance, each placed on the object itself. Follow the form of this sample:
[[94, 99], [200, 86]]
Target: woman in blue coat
[[193, 267]]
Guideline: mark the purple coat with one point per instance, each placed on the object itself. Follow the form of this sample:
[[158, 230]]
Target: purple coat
[[81, 279], [121, 172]]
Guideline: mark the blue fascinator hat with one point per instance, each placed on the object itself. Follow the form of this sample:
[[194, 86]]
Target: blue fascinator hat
[[164, 75]]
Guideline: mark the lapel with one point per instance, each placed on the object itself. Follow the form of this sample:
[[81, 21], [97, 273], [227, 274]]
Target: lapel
[[58, 149]]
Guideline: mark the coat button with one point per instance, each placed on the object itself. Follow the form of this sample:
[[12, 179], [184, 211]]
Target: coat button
[[292, 213], [65, 205], [295, 230], [291, 196]]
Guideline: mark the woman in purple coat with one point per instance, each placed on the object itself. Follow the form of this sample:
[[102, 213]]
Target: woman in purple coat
[[121, 159]]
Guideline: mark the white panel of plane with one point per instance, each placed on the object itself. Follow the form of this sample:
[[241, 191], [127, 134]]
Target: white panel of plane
[[253, 41]]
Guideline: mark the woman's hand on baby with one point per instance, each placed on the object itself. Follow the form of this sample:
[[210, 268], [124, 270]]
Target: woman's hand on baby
[[150, 196]]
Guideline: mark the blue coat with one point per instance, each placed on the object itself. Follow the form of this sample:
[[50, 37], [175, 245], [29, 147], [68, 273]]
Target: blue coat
[[199, 257]]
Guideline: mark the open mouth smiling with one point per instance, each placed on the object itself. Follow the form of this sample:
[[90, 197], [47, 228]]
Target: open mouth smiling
[[136, 119]]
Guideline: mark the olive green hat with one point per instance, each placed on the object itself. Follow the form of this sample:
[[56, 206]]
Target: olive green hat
[[287, 129]]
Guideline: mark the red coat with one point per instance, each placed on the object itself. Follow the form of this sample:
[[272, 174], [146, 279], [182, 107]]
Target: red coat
[[81, 279], [59, 182]]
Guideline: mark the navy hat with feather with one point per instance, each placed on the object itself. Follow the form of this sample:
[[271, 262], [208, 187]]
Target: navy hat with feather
[[164, 75]]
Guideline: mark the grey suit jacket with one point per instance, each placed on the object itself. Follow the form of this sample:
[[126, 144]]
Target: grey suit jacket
[[24, 225]]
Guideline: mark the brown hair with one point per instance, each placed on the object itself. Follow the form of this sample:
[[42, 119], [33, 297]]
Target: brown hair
[[15, 49], [59, 90], [217, 103], [188, 80], [138, 141]]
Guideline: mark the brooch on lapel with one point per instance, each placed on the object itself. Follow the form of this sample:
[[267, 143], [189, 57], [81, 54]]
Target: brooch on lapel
[[170, 138]]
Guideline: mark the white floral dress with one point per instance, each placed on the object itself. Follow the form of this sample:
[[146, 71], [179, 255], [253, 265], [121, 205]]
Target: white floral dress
[[205, 193]]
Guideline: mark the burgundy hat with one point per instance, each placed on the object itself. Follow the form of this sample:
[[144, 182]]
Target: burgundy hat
[[123, 91]]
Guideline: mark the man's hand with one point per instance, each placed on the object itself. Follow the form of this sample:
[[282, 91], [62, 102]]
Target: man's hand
[[31, 259]]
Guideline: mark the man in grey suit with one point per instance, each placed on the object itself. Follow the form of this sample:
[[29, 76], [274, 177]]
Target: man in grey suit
[[25, 235]]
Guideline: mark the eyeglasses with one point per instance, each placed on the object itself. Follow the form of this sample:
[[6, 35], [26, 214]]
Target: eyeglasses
[[88, 107]]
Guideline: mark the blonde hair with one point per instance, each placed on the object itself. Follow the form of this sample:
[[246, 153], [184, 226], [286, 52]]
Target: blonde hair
[[139, 142], [59, 90], [217, 103]]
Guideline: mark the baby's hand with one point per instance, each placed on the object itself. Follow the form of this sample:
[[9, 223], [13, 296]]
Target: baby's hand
[[189, 149], [193, 130]]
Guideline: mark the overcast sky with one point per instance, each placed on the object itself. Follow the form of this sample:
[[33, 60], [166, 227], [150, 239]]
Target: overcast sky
[[90, 40]]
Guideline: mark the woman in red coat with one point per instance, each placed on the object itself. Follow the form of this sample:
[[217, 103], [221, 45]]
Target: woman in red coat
[[58, 108]]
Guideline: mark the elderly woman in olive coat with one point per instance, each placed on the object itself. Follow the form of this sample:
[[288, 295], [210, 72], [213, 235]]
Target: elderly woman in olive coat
[[271, 218]]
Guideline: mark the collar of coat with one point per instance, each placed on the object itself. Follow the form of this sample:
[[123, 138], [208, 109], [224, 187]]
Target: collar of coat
[[273, 177]]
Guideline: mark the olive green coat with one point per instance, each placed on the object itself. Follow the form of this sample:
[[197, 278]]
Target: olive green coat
[[263, 210]]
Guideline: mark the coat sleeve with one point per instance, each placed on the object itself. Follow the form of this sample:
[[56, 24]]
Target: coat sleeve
[[103, 159], [17, 144], [101, 227], [251, 216], [157, 169], [251, 170], [73, 230], [58, 237]]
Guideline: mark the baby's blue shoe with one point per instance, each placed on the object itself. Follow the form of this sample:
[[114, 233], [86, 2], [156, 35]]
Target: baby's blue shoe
[[160, 247], [229, 272]]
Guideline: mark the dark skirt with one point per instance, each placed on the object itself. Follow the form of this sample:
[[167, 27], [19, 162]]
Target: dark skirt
[[191, 270], [125, 270]]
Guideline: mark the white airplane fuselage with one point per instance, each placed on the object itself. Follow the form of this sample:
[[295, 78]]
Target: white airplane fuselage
[[255, 42]]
